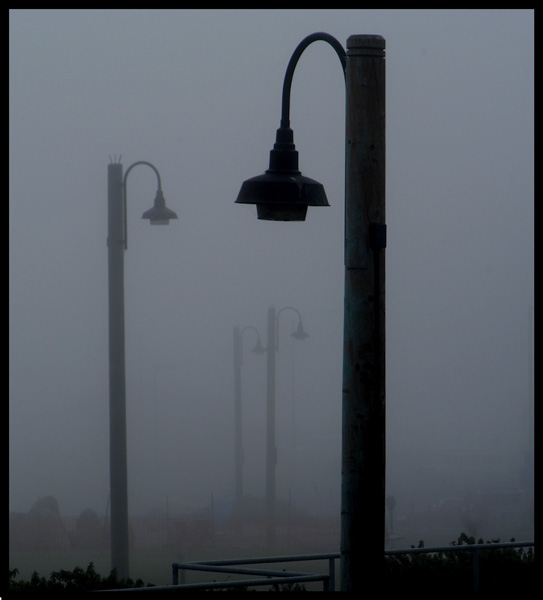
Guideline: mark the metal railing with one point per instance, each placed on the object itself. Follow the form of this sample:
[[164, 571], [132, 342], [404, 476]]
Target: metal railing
[[275, 577], [473, 548], [227, 566]]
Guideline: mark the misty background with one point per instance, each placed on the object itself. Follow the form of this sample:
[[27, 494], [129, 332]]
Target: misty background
[[198, 94]]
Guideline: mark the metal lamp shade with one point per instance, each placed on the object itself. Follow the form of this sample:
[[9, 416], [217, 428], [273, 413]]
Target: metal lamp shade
[[282, 193], [300, 333], [160, 214], [281, 196]]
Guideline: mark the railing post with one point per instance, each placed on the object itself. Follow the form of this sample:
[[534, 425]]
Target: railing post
[[476, 570], [175, 574], [332, 573]]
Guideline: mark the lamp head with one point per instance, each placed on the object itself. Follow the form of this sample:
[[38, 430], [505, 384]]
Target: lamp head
[[282, 193], [160, 214], [259, 348], [300, 334]]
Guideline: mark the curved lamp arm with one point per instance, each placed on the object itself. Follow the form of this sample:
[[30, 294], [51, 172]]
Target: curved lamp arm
[[258, 349], [299, 333], [283, 193], [325, 37], [139, 162], [142, 162]]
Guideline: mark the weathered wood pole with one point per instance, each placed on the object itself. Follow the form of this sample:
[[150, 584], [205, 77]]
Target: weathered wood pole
[[363, 436], [117, 393]]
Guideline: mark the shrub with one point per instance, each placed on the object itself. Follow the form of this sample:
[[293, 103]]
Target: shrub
[[71, 581], [500, 569]]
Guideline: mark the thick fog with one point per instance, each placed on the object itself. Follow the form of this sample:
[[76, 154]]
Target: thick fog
[[198, 94]]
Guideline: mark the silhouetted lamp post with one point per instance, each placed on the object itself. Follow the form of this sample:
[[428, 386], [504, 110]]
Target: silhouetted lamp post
[[271, 449], [159, 214], [283, 194], [238, 450]]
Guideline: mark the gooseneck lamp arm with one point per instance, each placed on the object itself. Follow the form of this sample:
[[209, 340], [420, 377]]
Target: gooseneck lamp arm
[[143, 162], [300, 329], [139, 162], [283, 193], [258, 349], [325, 37]]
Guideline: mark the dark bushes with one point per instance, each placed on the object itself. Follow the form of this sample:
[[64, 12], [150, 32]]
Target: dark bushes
[[500, 570], [78, 580]]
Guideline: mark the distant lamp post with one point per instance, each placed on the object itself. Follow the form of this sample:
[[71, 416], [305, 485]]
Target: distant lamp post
[[271, 450], [283, 194], [238, 449], [116, 244]]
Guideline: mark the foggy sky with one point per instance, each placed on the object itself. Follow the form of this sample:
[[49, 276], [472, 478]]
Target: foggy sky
[[197, 93]]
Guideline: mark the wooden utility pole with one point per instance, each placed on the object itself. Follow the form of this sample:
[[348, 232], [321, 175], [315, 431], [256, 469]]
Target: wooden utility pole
[[117, 392], [363, 436]]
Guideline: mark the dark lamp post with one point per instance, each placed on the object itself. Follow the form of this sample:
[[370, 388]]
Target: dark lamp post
[[116, 245], [282, 193], [271, 449], [271, 349], [238, 449]]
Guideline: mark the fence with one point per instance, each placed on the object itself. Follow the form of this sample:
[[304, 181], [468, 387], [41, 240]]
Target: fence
[[227, 566], [274, 577], [279, 577]]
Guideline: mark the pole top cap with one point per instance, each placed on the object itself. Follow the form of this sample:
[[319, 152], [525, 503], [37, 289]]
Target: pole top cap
[[371, 45]]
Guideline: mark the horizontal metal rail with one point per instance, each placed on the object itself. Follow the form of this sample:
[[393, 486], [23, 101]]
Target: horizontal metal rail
[[459, 548], [473, 548], [225, 584], [275, 577], [227, 566]]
